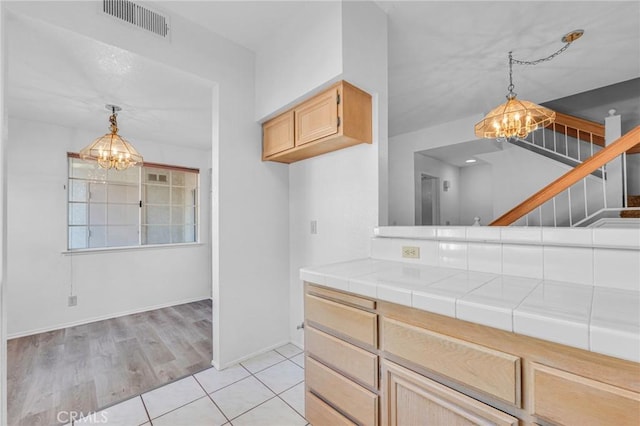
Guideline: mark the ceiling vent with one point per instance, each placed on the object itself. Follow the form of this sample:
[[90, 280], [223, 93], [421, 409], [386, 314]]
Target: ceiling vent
[[137, 15]]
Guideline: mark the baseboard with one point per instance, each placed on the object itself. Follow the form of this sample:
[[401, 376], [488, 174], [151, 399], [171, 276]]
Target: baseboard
[[103, 317], [244, 358]]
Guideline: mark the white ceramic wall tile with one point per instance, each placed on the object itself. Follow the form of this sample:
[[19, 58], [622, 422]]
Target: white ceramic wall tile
[[569, 264], [406, 231], [568, 236], [458, 233], [522, 260], [616, 268], [428, 251], [612, 237], [452, 255], [484, 257], [521, 234], [483, 233]]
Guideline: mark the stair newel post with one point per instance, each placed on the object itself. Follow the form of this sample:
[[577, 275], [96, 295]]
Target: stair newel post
[[615, 196]]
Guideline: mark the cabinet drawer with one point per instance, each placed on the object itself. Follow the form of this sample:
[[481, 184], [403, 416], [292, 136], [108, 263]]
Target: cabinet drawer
[[336, 296], [360, 365], [346, 321], [568, 399], [496, 373], [343, 394], [319, 413]]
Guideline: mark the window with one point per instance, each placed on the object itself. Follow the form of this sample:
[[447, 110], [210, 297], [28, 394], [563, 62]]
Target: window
[[152, 204]]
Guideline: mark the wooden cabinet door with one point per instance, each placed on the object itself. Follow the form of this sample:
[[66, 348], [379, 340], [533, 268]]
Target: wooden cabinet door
[[277, 134], [317, 117], [411, 399]]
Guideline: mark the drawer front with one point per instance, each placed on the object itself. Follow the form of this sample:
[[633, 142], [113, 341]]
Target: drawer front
[[319, 413], [348, 397], [569, 399], [344, 320], [358, 364], [349, 299], [484, 369]]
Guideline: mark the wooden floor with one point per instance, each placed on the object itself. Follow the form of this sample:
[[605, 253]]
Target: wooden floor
[[91, 366]]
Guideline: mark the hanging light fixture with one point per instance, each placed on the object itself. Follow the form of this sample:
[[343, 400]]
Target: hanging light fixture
[[517, 118], [112, 150]]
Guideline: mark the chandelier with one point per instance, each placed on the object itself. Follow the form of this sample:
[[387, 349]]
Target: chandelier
[[112, 150], [517, 118]]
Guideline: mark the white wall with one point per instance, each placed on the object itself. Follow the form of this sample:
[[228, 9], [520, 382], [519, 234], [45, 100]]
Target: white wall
[[401, 172], [340, 189], [303, 56], [450, 199], [476, 194], [40, 277], [3, 222], [250, 281]]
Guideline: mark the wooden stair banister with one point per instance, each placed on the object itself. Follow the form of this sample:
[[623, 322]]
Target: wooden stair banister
[[579, 128], [622, 144]]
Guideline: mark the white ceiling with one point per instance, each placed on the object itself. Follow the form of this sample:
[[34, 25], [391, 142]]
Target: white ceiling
[[60, 77], [446, 60]]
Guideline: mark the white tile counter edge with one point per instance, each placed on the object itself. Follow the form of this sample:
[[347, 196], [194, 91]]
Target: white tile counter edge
[[580, 334]]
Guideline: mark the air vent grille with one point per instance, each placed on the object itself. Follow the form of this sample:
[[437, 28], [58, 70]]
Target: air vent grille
[[137, 15]]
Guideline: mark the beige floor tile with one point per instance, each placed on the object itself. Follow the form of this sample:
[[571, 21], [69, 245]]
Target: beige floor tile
[[202, 412], [172, 396], [272, 413], [241, 396], [281, 376], [295, 398], [263, 361], [213, 380]]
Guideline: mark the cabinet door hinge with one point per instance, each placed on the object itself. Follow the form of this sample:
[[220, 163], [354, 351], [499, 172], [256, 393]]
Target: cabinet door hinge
[[338, 99], [338, 121]]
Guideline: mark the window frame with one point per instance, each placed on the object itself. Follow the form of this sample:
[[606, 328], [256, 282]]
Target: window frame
[[140, 220]]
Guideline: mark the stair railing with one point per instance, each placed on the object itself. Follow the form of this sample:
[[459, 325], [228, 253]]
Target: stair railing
[[564, 184]]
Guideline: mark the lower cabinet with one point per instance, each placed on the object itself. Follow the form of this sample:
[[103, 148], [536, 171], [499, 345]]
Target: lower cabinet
[[370, 363], [409, 398]]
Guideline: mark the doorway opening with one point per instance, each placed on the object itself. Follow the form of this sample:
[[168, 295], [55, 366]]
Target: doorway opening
[[429, 200]]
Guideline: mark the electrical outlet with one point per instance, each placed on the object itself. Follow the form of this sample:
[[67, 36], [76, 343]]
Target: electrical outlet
[[314, 227], [410, 252], [73, 300]]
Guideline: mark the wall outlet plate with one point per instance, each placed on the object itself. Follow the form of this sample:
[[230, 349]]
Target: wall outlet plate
[[411, 252], [73, 300]]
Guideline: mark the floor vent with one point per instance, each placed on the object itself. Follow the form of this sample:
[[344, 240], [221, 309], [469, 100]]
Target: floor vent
[[137, 15]]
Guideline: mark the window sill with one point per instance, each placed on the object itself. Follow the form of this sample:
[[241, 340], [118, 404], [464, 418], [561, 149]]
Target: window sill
[[130, 248]]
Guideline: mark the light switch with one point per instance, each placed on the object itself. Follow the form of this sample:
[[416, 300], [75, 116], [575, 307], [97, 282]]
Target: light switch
[[314, 227]]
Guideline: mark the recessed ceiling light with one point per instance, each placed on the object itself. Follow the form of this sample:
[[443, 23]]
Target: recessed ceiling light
[[471, 160]]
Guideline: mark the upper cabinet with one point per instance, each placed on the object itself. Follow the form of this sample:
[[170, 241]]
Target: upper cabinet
[[334, 119]]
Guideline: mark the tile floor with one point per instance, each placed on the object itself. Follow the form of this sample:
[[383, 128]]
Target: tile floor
[[267, 390]]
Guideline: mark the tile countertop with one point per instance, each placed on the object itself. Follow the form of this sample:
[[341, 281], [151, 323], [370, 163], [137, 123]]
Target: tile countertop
[[597, 319]]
